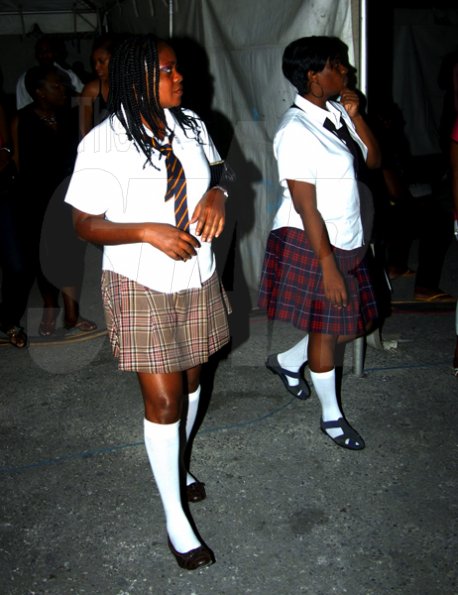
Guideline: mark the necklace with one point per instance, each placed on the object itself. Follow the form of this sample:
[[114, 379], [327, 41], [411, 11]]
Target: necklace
[[50, 120]]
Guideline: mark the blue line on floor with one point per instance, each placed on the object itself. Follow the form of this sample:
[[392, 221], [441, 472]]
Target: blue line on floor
[[87, 454]]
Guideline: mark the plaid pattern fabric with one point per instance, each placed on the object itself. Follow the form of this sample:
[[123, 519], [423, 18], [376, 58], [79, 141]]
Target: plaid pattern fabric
[[158, 332], [291, 287]]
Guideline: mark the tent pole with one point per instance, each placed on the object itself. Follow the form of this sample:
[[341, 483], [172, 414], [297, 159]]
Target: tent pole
[[363, 46], [170, 18]]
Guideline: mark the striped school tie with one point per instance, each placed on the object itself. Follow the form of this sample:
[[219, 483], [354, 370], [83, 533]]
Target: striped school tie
[[176, 185], [345, 136]]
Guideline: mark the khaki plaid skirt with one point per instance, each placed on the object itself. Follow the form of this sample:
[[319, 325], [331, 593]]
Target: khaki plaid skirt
[[156, 332]]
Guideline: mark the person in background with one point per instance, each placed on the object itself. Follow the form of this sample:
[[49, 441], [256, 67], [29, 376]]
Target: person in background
[[45, 139], [94, 97], [315, 274], [47, 54], [413, 210], [146, 187]]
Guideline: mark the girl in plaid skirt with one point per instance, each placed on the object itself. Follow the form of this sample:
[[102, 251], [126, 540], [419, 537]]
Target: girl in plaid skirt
[[142, 187], [315, 274]]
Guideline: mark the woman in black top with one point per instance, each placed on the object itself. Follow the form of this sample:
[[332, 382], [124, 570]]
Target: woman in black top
[[45, 135]]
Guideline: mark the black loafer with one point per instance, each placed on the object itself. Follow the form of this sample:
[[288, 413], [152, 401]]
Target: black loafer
[[300, 391], [195, 492], [200, 556]]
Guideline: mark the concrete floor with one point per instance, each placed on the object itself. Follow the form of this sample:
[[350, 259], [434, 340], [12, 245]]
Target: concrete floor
[[287, 510]]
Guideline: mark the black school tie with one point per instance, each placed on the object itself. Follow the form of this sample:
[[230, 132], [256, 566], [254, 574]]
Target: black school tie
[[176, 185], [345, 136]]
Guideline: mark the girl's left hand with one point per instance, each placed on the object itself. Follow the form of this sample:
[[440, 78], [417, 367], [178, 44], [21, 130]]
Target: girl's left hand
[[210, 215], [350, 100]]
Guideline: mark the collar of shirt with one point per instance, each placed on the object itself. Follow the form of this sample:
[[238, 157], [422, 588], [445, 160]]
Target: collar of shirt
[[317, 113], [119, 129]]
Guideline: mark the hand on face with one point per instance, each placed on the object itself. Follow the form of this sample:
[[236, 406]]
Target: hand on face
[[350, 100]]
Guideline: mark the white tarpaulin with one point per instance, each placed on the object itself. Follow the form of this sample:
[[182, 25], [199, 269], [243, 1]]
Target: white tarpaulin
[[51, 16], [244, 41]]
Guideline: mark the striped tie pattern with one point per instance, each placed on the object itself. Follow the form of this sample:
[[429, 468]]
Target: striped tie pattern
[[345, 136], [176, 185]]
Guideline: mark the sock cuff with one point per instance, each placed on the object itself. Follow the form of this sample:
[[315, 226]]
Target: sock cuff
[[323, 375], [195, 395], [164, 430]]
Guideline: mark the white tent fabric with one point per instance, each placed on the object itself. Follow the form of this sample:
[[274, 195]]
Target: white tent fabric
[[51, 16], [245, 41]]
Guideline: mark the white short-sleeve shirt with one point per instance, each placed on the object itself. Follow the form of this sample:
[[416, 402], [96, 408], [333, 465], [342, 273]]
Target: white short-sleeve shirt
[[308, 152], [113, 178]]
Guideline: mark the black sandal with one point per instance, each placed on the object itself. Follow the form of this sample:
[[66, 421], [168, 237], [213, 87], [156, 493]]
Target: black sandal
[[349, 439], [17, 337], [300, 391]]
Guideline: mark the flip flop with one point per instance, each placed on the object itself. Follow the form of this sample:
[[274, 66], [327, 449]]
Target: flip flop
[[439, 297], [17, 337], [393, 274], [47, 328], [82, 324]]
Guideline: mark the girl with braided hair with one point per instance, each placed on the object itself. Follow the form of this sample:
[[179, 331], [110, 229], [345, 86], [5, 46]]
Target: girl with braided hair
[[142, 187]]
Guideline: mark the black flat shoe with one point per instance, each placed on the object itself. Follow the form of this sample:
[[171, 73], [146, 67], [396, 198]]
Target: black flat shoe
[[300, 391], [349, 439], [195, 491], [200, 556]]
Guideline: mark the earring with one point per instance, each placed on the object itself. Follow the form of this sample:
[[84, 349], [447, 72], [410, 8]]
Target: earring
[[314, 94]]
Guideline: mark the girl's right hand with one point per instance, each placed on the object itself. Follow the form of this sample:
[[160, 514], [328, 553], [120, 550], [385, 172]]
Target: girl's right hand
[[334, 286], [176, 243]]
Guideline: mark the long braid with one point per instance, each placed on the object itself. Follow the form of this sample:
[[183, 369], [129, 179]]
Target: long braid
[[134, 93]]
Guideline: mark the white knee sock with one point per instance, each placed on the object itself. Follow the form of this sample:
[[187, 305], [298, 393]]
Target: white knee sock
[[325, 387], [294, 358], [193, 407], [162, 443]]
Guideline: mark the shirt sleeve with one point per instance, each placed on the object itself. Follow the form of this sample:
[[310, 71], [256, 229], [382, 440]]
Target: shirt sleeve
[[209, 148], [296, 148], [22, 97], [92, 187], [76, 82]]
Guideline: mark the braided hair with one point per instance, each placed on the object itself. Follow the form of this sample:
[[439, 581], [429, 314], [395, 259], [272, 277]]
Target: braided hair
[[134, 93]]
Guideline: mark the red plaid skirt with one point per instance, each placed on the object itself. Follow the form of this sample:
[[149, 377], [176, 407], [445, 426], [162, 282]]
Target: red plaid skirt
[[292, 290]]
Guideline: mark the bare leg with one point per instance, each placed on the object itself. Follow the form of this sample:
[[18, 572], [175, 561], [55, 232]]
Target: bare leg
[[50, 295], [70, 296], [72, 318], [163, 397]]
